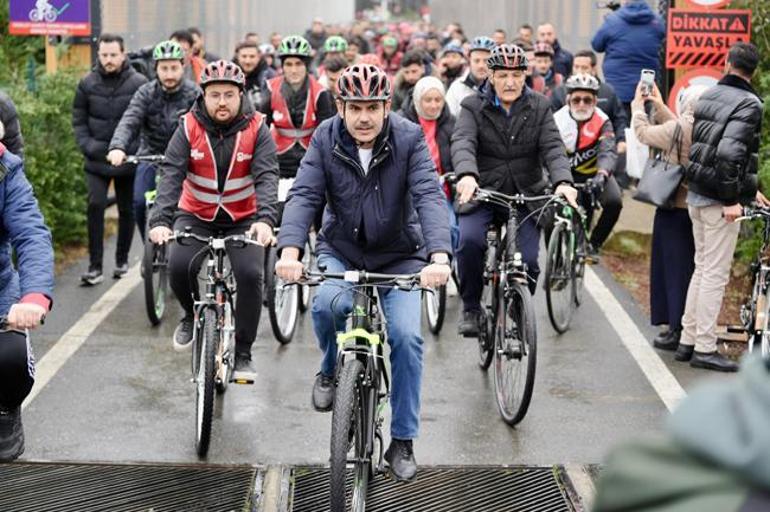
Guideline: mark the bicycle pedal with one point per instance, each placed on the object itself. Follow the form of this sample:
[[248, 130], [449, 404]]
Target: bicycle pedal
[[246, 381]]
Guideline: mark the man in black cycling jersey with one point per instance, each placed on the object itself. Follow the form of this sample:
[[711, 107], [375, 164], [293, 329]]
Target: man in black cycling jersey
[[589, 136], [385, 213], [153, 115], [502, 135]]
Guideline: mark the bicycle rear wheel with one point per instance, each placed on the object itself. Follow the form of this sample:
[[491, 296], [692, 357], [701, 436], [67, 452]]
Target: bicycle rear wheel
[[515, 353], [204, 390], [349, 425], [559, 282], [435, 308], [155, 276], [282, 303]]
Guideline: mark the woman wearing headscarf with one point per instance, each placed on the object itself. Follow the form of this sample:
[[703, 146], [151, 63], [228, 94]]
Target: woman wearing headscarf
[[673, 246], [428, 108]]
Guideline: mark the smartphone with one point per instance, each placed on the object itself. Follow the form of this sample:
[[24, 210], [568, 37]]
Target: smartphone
[[648, 81]]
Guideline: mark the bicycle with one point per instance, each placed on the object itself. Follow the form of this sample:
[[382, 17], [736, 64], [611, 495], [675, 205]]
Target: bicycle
[[362, 386], [154, 259], [566, 258], [755, 314], [284, 302], [213, 354], [507, 330]]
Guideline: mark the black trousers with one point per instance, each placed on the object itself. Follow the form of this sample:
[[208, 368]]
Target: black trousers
[[247, 263], [671, 266], [611, 202], [97, 203], [17, 369]]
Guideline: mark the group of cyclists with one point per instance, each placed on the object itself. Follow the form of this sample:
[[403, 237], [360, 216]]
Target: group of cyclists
[[364, 180]]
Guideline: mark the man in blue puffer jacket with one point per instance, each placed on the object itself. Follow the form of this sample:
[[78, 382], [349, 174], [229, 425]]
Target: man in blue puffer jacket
[[631, 39], [25, 295], [385, 212]]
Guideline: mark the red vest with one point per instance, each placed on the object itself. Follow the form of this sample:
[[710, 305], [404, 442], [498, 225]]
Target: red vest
[[200, 191], [283, 130]]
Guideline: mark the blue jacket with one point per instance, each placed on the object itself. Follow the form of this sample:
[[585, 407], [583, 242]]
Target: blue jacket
[[389, 220], [22, 229], [631, 38]]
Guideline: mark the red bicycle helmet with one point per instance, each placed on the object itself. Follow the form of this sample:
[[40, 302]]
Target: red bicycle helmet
[[508, 56], [222, 71], [363, 82]]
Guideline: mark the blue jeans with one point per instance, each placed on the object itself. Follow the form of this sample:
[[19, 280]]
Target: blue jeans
[[402, 311], [144, 181]]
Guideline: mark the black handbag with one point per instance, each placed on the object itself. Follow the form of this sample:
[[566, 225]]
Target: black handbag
[[660, 178]]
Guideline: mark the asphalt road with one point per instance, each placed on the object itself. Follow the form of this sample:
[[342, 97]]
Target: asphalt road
[[125, 395]]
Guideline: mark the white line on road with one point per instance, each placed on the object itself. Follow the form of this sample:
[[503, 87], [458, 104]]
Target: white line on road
[[656, 371], [74, 338]]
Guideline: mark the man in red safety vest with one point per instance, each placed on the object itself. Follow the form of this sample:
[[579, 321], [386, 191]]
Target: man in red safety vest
[[295, 104], [220, 177]]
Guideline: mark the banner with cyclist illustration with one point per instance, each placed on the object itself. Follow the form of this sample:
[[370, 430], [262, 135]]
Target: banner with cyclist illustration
[[50, 17]]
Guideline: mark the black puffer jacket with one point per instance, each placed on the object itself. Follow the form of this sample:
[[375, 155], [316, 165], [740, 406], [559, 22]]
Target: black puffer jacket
[[725, 142], [444, 129], [11, 137], [156, 113], [100, 101], [505, 153]]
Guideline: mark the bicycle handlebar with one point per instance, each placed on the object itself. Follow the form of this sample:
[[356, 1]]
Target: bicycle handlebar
[[135, 159], [487, 195], [213, 241], [750, 213], [361, 277]]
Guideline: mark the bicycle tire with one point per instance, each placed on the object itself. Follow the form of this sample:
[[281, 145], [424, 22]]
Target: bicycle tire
[[347, 428], [579, 262], [155, 279], [519, 310], [486, 320], [282, 304], [435, 309], [764, 340], [204, 391], [306, 291], [558, 268]]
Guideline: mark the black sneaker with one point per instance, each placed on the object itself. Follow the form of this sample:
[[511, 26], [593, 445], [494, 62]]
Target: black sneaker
[[662, 335], [183, 334], [120, 271], [11, 434], [670, 342], [469, 327], [323, 392], [93, 277], [400, 458], [684, 353], [244, 372], [713, 361]]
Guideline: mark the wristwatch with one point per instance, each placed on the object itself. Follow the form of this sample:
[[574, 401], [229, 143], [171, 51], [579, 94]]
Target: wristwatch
[[439, 258]]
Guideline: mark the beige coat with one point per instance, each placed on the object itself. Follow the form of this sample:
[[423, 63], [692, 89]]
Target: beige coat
[[660, 135]]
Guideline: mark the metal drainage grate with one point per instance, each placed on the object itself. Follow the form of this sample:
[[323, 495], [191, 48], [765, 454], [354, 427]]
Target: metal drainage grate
[[445, 490], [42, 487]]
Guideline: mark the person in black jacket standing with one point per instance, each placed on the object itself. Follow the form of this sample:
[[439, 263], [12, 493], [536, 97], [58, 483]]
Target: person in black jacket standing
[[100, 100], [502, 135], [722, 176]]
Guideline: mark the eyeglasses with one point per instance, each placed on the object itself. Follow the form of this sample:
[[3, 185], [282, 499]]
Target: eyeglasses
[[577, 100]]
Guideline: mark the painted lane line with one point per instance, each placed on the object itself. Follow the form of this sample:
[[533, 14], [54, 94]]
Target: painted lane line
[[66, 346], [660, 377]]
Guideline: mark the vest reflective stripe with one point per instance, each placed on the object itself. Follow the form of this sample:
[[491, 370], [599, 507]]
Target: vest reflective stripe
[[283, 130], [295, 134], [200, 190]]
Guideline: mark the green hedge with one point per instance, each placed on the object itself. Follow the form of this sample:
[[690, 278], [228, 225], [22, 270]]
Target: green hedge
[[53, 161]]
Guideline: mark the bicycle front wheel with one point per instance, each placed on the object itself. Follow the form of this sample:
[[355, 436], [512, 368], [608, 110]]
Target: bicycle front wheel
[[282, 304], [205, 377], [515, 353], [559, 282], [154, 274], [349, 431], [435, 308]]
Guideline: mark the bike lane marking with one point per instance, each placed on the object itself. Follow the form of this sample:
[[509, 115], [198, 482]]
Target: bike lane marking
[[69, 343], [655, 370]]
